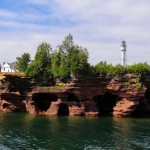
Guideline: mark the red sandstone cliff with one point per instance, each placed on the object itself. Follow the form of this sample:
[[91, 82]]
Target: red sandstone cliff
[[120, 96]]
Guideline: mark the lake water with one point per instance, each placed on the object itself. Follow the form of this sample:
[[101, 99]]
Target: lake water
[[28, 132]]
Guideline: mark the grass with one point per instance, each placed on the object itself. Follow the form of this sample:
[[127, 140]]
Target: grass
[[13, 74]]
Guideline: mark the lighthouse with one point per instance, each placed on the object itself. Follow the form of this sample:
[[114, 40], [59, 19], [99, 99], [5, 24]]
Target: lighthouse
[[123, 53]]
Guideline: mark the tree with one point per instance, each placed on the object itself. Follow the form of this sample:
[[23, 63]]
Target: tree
[[108, 70], [59, 65], [69, 59], [55, 61], [23, 62], [101, 68], [78, 61], [119, 70], [67, 44], [40, 67], [140, 69]]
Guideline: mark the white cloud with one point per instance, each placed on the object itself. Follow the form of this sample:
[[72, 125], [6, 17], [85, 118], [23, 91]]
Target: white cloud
[[99, 25], [7, 13], [38, 2]]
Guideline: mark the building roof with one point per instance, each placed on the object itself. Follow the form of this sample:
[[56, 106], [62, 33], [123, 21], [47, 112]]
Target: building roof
[[12, 65]]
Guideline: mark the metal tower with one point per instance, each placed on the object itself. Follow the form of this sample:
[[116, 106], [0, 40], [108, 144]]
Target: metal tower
[[123, 53]]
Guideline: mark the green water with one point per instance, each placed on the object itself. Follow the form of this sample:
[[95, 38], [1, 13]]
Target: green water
[[29, 132]]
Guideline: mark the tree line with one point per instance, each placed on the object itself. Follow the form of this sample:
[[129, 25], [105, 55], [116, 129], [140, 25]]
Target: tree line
[[70, 60]]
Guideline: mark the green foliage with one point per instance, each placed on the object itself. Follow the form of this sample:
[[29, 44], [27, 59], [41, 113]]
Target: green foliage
[[119, 70], [91, 71], [67, 44], [23, 62], [61, 84], [138, 86], [63, 69], [69, 60], [126, 83], [140, 69], [78, 60], [101, 68], [40, 67], [104, 69]]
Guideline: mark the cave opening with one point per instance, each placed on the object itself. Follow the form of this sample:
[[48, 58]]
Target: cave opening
[[147, 96], [63, 110], [5, 105], [43, 100], [105, 103], [72, 97], [143, 109]]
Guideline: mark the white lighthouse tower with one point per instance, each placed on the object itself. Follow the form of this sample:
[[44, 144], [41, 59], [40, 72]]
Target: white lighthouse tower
[[123, 53]]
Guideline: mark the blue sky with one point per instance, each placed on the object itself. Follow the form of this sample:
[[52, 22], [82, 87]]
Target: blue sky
[[98, 25]]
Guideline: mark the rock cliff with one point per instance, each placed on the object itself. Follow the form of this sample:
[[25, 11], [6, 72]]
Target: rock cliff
[[123, 96]]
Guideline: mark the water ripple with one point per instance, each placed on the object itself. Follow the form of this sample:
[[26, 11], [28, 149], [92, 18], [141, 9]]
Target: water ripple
[[29, 132]]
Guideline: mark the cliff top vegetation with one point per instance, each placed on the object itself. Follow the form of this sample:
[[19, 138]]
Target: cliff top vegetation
[[69, 60], [19, 74]]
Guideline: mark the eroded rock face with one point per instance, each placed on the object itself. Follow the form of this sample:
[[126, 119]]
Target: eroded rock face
[[76, 108], [91, 108], [125, 107], [130, 90], [13, 90], [119, 96], [11, 103], [53, 109]]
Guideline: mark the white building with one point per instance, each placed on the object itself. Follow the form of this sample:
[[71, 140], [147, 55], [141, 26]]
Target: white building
[[123, 53], [8, 67]]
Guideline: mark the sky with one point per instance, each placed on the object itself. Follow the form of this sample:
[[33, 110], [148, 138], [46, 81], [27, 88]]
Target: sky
[[98, 25]]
